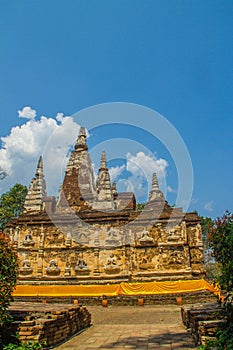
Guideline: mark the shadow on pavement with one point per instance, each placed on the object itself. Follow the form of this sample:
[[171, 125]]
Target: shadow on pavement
[[159, 341]]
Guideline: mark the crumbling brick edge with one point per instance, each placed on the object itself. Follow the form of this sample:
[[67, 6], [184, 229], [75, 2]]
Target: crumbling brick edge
[[49, 324]]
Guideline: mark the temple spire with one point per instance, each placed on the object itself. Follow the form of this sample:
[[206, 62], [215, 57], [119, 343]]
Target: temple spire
[[103, 161], [37, 190], [39, 169], [79, 185], [103, 183], [155, 192], [155, 184], [81, 143]]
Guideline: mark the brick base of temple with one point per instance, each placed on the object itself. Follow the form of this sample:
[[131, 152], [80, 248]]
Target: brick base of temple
[[203, 320], [50, 324]]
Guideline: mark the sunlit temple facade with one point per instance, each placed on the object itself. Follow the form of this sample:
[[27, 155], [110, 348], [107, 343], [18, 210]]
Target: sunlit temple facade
[[91, 234]]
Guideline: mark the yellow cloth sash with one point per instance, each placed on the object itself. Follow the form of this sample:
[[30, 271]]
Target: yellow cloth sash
[[144, 288]]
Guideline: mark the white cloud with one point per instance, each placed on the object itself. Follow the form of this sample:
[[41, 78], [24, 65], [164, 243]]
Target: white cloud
[[52, 138], [27, 112], [60, 117], [170, 189], [209, 206], [22, 148], [142, 166], [116, 171], [124, 185]]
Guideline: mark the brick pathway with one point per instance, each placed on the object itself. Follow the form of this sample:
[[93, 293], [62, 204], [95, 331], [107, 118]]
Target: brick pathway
[[132, 327]]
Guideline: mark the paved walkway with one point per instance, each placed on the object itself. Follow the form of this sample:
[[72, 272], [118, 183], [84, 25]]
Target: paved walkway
[[132, 327]]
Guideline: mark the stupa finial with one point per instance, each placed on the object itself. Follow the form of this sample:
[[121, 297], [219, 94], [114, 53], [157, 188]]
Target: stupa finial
[[81, 143], [155, 192], [103, 161]]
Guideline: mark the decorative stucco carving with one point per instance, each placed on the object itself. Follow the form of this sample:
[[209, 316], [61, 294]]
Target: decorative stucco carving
[[145, 261], [55, 239], [145, 239], [28, 241], [112, 267], [26, 268], [53, 269], [81, 268], [197, 255], [112, 237]]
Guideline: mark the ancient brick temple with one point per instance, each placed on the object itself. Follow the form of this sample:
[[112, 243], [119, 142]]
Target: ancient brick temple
[[93, 234]]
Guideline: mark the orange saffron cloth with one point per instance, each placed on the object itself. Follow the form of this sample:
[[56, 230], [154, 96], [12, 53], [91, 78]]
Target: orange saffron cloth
[[144, 288]]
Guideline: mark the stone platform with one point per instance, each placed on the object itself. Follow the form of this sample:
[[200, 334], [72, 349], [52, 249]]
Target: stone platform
[[133, 327]]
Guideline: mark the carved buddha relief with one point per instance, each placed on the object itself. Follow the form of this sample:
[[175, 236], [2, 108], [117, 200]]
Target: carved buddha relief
[[53, 269], [26, 268], [55, 239], [81, 268], [112, 267], [28, 241], [145, 238], [112, 237]]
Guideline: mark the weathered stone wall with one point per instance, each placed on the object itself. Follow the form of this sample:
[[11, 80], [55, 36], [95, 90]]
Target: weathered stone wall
[[102, 252], [48, 324]]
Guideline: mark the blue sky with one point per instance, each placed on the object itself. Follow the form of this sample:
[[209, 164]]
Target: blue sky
[[174, 57]]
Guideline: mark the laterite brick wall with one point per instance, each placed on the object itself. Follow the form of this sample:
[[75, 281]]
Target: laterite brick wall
[[50, 324]]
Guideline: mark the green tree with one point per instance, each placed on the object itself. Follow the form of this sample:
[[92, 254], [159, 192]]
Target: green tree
[[211, 265], [140, 206], [207, 225], [11, 204], [220, 239], [8, 277]]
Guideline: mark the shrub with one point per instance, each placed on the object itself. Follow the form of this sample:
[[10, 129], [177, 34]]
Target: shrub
[[8, 277], [24, 346], [220, 239]]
